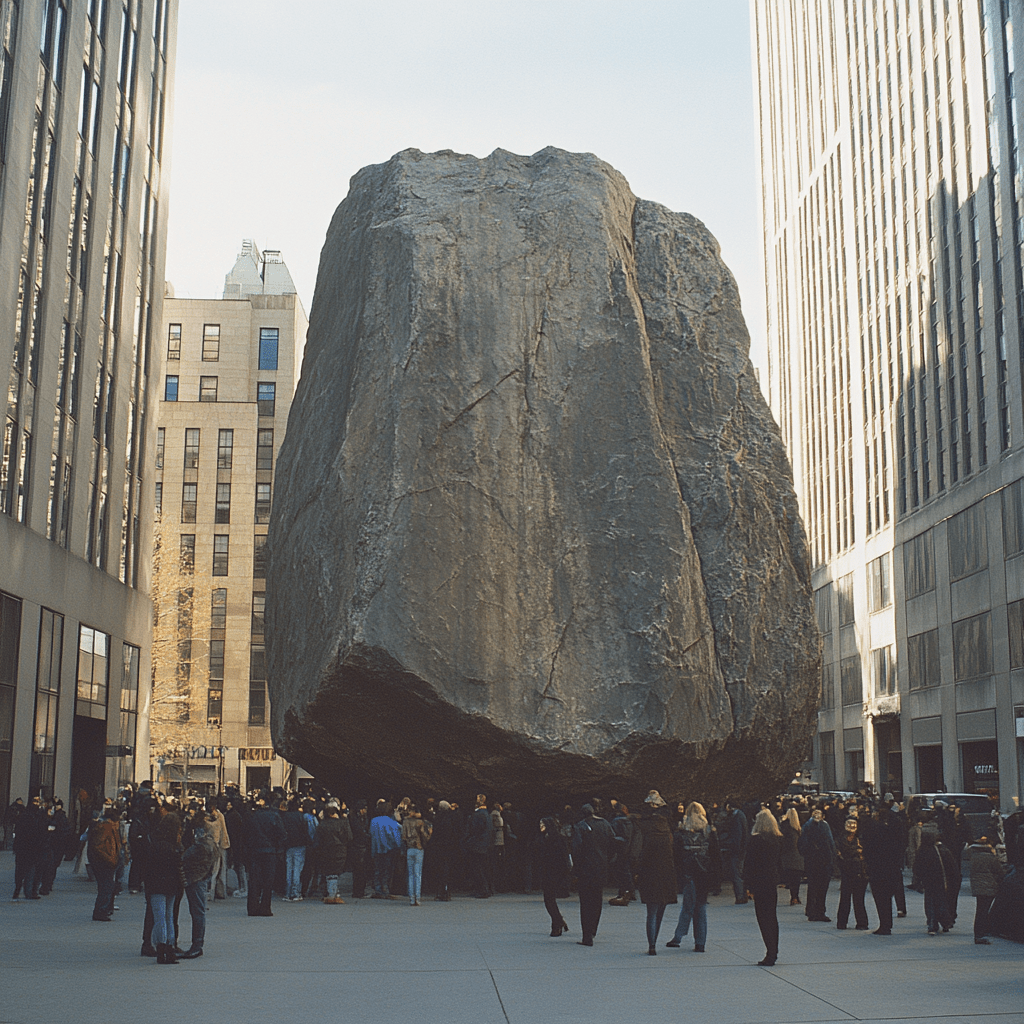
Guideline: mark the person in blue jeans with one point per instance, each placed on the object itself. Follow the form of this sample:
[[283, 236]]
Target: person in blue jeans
[[415, 835], [162, 880], [732, 841], [199, 861], [691, 840], [298, 838]]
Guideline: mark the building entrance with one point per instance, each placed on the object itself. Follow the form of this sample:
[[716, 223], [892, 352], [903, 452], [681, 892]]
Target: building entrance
[[930, 777], [981, 768], [88, 758]]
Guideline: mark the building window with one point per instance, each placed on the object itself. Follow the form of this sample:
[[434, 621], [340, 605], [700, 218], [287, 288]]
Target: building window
[[161, 436], [972, 647], [10, 637], [259, 604], [219, 609], [823, 607], [878, 579], [268, 348], [207, 389], [1015, 628], [844, 589], [923, 660], [173, 342], [129, 713], [216, 660], [259, 557], [187, 553], [257, 685], [211, 343], [214, 705], [849, 680], [919, 564], [159, 497], [827, 751], [192, 448], [171, 387], [883, 670], [220, 554], [93, 669], [266, 395], [264, 450], [188, 503], [263, 503], [968, 542], [222, 513], [1013, 518], [225, 448], [48, 675]]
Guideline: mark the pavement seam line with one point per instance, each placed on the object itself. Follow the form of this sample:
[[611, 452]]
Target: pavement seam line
[[498, 994]]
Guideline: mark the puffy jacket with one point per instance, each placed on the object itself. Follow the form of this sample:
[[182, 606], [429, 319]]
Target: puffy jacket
[[104, 845], [385, 834], [478, 831], [986, 871], [331, 841], [199, 859], [593, 844], [266, 832]]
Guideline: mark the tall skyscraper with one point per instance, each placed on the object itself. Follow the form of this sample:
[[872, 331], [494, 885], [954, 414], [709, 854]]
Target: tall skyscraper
[[85, 91], [893, 206], [229, 369]]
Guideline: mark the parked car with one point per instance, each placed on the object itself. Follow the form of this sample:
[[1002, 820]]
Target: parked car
[[975, 807]]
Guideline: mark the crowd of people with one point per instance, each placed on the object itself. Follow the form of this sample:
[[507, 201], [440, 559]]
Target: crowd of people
[[250, 847]]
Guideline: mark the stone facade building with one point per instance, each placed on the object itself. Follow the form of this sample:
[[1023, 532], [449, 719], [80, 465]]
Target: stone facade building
[[85, 89], [893, 204], [228, 369]]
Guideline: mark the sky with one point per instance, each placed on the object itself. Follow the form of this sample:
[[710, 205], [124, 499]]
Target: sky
[[277, 105]]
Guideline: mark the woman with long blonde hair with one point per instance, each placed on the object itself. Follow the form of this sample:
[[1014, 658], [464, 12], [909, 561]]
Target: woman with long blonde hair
[[761, 871], [792, 862], [691, 841]]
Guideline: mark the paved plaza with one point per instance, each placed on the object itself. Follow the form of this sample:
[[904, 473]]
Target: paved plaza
[[486, 962]]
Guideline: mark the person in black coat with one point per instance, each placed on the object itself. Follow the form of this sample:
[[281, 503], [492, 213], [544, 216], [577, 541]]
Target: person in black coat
[[657, 872], [359, 849], [593, 845], [762, 869], [883, 858], [552, 860], [853, 878], [444, 844], [29, 840]]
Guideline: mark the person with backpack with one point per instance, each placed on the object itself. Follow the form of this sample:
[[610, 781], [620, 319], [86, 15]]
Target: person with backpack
[[104, 849], [199, 863], [692, 841]]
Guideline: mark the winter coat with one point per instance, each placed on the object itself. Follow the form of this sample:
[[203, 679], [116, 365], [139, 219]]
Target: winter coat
[[445, 837], [104, 846], [331, 841], [163, 874], [30, 831], [693, 857], [478, 831], [296, 829], [657, 870], [937, 868], [553, 864], [732, 836], [235, 825], [986, 871], [817, 847], [850, 855], [199, 859], [266, 831], [791, 859], [385, 834], [883, 848], [593, 847], [218, 829], [763, 865], [626, 828], [415, 833]]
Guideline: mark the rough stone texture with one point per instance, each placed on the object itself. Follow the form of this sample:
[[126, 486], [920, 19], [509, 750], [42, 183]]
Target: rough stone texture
[[534, 526]]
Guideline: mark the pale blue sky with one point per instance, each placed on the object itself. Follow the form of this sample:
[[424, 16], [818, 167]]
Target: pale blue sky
[[278, 105]]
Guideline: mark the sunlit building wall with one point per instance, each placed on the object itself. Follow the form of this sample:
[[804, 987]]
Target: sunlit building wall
[[893, 215]]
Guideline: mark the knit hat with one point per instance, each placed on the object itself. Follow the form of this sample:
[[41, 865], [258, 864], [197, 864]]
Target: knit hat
[[654, 798], [444, 806]]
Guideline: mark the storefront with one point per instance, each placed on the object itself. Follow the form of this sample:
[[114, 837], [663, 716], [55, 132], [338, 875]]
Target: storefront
[[979, 752], [926, 735]]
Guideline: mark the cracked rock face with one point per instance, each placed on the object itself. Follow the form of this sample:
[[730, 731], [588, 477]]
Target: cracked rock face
[[534, 528]]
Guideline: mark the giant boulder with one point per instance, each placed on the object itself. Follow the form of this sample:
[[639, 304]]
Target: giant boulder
[[534, 527]]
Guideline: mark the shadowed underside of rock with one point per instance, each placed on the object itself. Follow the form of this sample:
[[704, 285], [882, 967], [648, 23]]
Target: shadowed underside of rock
[[534, 527]]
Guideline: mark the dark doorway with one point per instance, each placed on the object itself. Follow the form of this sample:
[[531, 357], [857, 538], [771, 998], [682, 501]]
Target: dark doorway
[[981, 768], [88, 757], [257, 778], [930, 777], [888, 744]]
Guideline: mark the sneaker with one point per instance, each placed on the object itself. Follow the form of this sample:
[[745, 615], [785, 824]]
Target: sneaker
[[983, 942], [901, 913], [672, 944], [240, 894]]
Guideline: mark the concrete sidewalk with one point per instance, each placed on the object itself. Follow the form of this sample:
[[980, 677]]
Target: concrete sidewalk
[[486, 962]]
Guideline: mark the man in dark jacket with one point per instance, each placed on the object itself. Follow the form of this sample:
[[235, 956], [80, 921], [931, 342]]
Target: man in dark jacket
[[444, 843], [29, 839], [198, 863], [883, 859], [732, 841], [477, 843], [359, 851], [593, 847], [818, 849], [627, 856], [266, 837], [238, 854]]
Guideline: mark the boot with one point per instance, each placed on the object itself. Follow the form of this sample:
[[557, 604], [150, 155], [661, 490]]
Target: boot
[[165, 953], [622, 900], [148, 950]]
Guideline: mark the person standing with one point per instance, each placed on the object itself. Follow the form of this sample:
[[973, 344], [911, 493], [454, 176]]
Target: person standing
[[477, 843], [552, 859], [592, 846], [385, 841], [163, 882], [883, 857], [732, 840], [298, 838], [359, 850], [266, 837], [818, 849], [331, 842], [627, 858], [217, 826], [415, 834], [657, 872], [29, 837], [200, 863], [792, 862], [761, 870], [693, 841], [104, 850], [236, 853], [940, 875], [444, 842], [853, 878], [986, 874]]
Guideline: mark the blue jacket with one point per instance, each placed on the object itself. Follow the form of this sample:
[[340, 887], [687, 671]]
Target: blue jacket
[[385, 834]]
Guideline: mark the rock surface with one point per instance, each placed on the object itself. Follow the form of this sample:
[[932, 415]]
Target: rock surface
[[534, 527]]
